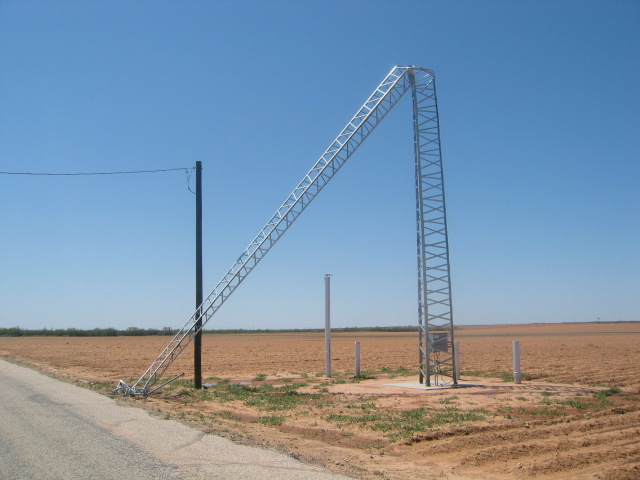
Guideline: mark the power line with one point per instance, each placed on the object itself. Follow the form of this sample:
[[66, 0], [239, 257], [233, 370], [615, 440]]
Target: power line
[[187, 169], [189, 181]]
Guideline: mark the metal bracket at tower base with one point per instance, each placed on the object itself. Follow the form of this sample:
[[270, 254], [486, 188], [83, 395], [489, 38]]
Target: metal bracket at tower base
[[131, 391]]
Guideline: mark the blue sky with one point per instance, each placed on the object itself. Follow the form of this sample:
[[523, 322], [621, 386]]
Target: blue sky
[[539, 120]]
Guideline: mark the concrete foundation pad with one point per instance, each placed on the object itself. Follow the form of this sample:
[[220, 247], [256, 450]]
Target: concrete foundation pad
[[421, 386]]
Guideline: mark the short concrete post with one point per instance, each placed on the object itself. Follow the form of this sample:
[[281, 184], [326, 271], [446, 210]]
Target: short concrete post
[[516, 362], [357, 354], [456, 359], [327, 323]]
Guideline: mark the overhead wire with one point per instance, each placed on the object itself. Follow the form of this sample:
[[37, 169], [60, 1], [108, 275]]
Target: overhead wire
[[97, 173], [188, 171]]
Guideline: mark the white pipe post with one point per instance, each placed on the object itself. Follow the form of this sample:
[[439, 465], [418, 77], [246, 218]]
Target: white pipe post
[[357, 369], [327, 322], [456, 359], [516, 362]]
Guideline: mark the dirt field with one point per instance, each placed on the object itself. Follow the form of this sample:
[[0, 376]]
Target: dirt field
[[577, 414]]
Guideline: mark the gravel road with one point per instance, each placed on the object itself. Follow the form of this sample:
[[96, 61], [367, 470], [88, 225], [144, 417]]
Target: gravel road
[[53, 430]]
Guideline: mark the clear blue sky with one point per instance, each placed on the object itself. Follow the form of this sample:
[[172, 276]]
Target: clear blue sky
[[539, 113]]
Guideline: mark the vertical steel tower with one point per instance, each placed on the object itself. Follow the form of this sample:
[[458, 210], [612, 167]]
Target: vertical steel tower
[[435, 313], [436, 354]]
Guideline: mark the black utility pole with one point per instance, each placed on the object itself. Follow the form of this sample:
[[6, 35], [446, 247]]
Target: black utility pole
[[197, 341]]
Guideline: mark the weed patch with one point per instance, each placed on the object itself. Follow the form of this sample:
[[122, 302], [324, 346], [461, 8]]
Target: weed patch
[[404, 424], [505, 376], [270, 420], [604, 394]]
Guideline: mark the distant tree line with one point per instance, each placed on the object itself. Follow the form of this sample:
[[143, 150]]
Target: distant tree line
[[76, 332], [139, 332]]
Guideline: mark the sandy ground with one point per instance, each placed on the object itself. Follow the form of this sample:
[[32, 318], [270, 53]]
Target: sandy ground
[[577, 414]]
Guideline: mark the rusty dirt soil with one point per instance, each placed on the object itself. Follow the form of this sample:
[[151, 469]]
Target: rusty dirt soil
[[576, 413]]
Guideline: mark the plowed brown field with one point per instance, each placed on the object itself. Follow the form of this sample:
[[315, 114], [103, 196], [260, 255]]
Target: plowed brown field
[[577, 414]]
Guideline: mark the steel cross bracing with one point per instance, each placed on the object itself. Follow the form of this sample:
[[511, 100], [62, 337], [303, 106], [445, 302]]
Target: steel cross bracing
[[436, 342], [381, 101]]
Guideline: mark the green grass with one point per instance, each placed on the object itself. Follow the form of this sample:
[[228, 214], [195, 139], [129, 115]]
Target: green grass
[[598, 401], [555, 407], [505, 410], [202, 395], [550, 411], [574, 403], [364, 405], [397, 425], [270, 420], [390, 372], [504, 375], [604, 394], [507, 377], [263, 397], [363, 376], [448, 400], [226, 415], [285, 401], [399, 372]]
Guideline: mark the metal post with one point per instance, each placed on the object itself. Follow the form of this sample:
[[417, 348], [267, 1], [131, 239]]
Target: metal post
[[357, 354], [327, 322], [197, 340], [456, 356], [516, 362]]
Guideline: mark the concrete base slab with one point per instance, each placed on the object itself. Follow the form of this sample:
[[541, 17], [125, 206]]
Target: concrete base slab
[[421, 386]]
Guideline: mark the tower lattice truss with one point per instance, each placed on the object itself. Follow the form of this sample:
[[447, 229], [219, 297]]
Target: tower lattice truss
[[435, 318]]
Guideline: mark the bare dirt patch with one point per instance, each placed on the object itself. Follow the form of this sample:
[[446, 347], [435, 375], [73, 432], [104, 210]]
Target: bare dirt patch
[[576, 416]]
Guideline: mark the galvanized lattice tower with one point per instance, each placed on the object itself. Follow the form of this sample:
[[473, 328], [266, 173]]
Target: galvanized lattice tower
[[435, 314], [434, 286]]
